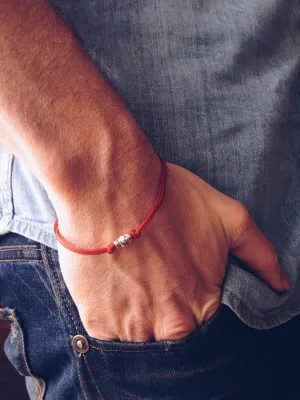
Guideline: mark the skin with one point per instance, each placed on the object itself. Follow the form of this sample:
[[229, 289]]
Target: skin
[[75, 134]]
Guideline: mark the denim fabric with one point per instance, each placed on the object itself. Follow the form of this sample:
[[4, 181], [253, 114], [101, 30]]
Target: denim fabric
[[223, 359], [215, 87]]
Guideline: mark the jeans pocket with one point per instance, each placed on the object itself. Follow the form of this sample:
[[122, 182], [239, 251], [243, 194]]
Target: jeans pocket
[[161, 345], [203, 364], [72, 317], [15, 350]]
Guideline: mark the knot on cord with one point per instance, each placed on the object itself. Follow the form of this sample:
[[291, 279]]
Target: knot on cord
[[135, 234], [111, 248]]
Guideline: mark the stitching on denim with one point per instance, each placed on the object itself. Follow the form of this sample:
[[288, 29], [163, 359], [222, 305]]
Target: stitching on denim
[[21, 260], [59, 286], [8, 248], [127, 351], [52, 266], [88, 368]]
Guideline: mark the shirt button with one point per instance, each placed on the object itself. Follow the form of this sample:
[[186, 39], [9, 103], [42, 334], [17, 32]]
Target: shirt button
[[80, 344]]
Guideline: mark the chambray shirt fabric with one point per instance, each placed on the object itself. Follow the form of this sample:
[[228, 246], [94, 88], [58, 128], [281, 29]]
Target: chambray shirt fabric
[[215, 86]]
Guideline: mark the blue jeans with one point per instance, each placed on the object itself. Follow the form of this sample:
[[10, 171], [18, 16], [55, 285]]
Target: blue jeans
[[222, 359]]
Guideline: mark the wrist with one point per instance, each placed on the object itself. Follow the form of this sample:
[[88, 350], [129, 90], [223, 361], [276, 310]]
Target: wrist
[[112, 205]]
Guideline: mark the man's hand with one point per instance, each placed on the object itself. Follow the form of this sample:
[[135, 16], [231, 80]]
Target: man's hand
[[71, 129], [169, 280]]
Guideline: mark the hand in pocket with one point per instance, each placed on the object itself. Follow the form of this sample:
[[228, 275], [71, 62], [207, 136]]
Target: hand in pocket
[[166, 283]]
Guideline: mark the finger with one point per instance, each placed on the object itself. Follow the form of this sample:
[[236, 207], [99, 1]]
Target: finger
[[136, 331], [260, 255], [206, 305], [175, 325]]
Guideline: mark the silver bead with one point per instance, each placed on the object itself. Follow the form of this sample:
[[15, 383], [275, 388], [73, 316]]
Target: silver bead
[[123, 240]]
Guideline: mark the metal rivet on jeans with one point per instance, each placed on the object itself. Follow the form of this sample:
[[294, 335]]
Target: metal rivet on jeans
[[80, 344]]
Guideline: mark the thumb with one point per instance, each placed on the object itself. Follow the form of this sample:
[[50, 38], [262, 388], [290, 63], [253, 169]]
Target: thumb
[[252, 247]]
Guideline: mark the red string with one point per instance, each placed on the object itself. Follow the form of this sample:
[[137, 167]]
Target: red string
[[135, 233]]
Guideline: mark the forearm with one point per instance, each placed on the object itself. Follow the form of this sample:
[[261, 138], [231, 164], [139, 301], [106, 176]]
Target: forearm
[[61, 118]]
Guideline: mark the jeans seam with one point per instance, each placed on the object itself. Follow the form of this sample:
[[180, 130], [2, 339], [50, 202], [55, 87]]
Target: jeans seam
[[9, 248], [90, 372], [21, 260], [127, 351], [51, 263], [52, 266]]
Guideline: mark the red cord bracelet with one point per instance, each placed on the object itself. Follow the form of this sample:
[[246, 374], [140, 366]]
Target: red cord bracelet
[[126, 238]]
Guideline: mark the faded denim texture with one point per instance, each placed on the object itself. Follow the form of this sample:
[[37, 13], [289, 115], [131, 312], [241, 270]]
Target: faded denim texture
[[222, 359], [215, 87]]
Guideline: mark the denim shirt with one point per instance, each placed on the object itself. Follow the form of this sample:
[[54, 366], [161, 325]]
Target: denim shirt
[[215, 86]]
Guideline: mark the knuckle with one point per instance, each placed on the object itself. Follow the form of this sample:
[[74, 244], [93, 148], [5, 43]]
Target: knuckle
[[243, 221], [177, 328], [138, 330], [243, 214], [272, 259], [139, 334], [178, 331], [206, 306]]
